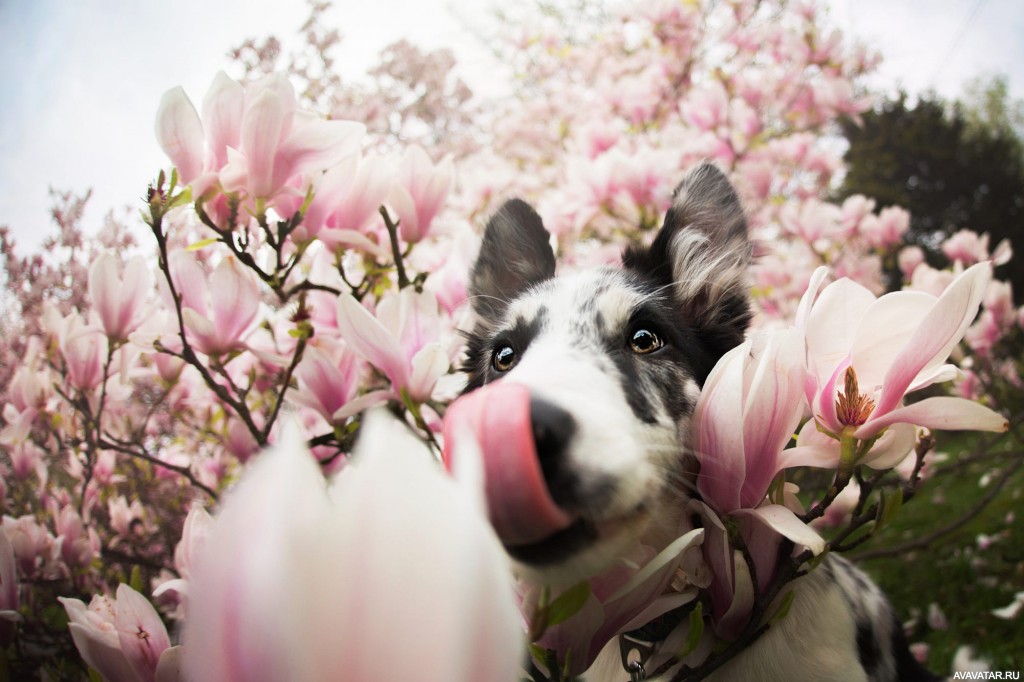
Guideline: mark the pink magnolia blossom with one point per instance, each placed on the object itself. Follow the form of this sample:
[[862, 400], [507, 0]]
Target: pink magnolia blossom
[[746, 414], [217, 309], [347, 198], [119, 298], [865, 354], [33, 544], [79, 544], [84, 348], [122, 639], [401, 340], [278, 141], [328, 380], [254, 140], [420, 192], [969, 247], [306, 581], [194, 533]]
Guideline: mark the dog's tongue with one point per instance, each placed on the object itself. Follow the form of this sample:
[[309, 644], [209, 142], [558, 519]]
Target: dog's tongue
[[498, 417]]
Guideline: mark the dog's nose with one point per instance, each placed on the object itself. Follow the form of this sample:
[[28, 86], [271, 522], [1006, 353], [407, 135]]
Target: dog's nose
[[553, 428]]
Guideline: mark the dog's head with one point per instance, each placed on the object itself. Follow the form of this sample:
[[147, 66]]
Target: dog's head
[[582, 386]]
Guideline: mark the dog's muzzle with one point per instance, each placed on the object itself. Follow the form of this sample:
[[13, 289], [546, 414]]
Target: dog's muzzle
[[522, 439]]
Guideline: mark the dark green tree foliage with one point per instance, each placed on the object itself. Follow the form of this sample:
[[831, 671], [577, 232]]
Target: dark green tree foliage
[[949, 169]]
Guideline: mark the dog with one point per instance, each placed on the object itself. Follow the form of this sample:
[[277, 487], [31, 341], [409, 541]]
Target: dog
[[610, 362]]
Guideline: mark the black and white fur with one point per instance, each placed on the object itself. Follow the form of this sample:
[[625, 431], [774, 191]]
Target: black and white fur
[[615, 359]]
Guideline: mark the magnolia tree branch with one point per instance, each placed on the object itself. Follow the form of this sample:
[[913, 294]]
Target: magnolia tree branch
[[977, 508]]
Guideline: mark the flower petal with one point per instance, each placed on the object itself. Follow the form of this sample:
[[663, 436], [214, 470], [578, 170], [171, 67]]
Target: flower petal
[[937, 335], [370, 340], [942, 413], [179, 133], [785, 523]]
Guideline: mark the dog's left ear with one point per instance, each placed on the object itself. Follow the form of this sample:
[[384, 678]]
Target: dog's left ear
[[515, 255], [703, 253]]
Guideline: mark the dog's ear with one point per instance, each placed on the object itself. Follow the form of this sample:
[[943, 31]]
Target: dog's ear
[[515, 255], [703, 253]]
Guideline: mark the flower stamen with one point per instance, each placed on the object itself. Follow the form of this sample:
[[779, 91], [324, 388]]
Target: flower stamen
[[853, 407]]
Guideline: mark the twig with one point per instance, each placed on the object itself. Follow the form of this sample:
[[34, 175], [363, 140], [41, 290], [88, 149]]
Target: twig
[[924, 542]]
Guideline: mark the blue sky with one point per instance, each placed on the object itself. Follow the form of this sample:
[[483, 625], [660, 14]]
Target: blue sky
[[81, 81]]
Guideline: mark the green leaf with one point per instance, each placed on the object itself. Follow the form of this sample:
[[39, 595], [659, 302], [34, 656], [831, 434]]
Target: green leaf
[[569, 603], [135, 581], [696, 631], [888, 507], [201, 244]]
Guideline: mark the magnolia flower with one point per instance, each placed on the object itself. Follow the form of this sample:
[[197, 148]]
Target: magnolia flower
[[420, 191], [746, 414], [278, 141], [399, 341], [217, 309], [193, 535], [78, 544], [119, 298], [256, 140], [328, 380], [865, 354], [84, 348], [347, 198], [124, 640], [390, 572]]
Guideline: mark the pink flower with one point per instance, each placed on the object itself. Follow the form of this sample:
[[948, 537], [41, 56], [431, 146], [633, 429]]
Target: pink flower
[[218, 310], [307, 581], [179, 132], [401, 341], [193, 535], [78, 545], [420, 192], [119, 298], [278, 142], [124, 639], [746, 414], [748, 410], [84, 348], [968, 247], [865, 354], [349, 196], [328, 379]]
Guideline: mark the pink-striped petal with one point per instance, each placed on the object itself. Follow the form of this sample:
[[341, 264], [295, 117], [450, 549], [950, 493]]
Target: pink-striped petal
[[141, 633], [937, 335], [316, 146], [223, 107], [942, 413], [785, 523], [179, 133], [234, 299], [263, 126], [370, 340], [718, 442]]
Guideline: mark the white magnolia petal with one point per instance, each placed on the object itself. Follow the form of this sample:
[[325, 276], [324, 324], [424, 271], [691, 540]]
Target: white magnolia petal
[[664, 558], [885, 329], [942, 413], [892, 448], [785, 523]]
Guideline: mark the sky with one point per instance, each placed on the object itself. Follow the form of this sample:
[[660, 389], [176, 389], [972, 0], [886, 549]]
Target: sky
[[80, 81]]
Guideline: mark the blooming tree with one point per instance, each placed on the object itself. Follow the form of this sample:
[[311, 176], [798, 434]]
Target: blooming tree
[[307, 261]]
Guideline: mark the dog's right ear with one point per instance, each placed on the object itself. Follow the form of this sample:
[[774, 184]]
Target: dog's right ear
[[515, 255], [702, 253]]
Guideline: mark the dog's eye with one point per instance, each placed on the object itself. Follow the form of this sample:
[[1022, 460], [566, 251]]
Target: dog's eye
[[504, 358], [645, 341]]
